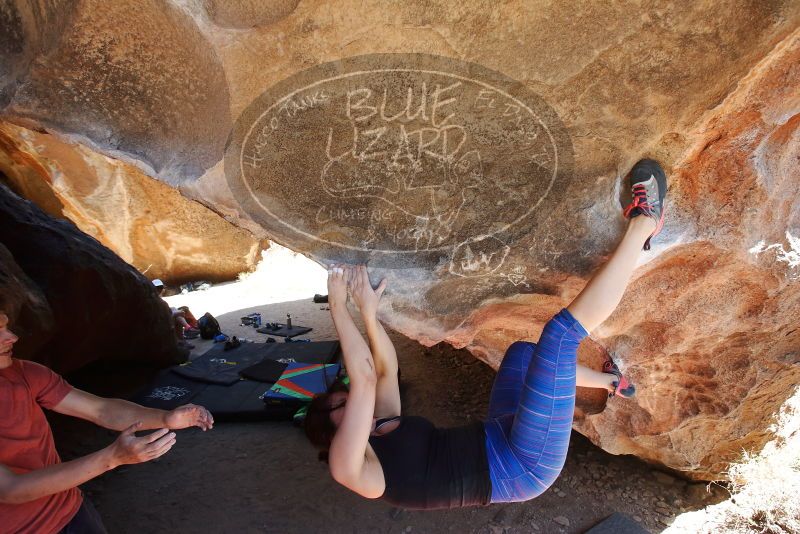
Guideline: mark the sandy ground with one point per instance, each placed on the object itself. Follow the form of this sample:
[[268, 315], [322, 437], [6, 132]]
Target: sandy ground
[[264, 477]]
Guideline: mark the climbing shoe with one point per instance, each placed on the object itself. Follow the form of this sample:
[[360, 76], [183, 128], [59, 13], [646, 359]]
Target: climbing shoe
[[622, 387], [648, 189]]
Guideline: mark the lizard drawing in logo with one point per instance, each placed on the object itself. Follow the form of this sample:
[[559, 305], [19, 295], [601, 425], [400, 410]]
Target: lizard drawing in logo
[[420, 170]]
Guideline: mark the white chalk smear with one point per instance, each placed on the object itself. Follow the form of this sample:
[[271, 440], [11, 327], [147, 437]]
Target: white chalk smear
[[790, 257]]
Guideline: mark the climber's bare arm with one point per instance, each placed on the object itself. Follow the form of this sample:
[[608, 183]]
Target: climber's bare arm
[[387, 400], [352, 461], [357, 356]]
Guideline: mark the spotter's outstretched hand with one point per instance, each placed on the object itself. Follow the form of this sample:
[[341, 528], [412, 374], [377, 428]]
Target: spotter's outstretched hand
[[130, 449], [190, 415]]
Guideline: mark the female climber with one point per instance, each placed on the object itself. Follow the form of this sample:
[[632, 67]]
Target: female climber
[[519, 451]]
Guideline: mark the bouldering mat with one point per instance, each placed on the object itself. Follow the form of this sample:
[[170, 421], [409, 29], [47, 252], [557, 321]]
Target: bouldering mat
[[214, 368], [238, 402], [313, 352], [299, 383], [241, 400], [168, 391], [282, 330], [244, 355], [252, 353], [265, 371]]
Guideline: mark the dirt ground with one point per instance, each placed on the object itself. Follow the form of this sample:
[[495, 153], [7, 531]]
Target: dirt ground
[[265, 477]]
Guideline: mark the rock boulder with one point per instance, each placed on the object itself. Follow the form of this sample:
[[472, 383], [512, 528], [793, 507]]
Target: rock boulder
[[145, 222], [25, 305], [75, 299], [474, 152]]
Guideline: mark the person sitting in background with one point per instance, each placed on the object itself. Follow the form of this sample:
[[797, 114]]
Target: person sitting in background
[[185, 323], [191, 320], [38, 492]]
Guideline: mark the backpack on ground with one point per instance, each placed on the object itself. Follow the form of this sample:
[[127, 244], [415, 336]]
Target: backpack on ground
[[208, 326]]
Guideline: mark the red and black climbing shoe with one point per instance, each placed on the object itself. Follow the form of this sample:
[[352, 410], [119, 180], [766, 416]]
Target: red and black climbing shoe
[[649, 189], [622, 387]]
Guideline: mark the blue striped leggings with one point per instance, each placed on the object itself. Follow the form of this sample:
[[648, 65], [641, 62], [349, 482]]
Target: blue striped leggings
[[530, 411]]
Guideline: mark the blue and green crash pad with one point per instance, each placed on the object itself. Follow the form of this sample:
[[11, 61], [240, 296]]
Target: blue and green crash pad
[[300, 382]]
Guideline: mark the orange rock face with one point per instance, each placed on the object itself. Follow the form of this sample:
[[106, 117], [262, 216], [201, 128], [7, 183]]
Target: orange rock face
[[147, 223], [473, 152], [709, 329]]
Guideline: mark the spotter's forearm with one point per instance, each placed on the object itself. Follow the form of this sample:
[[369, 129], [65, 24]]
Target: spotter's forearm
[[118, 414], [17, 489]]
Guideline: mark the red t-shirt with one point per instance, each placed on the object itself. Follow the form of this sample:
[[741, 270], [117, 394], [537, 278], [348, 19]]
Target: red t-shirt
[[26, 444]]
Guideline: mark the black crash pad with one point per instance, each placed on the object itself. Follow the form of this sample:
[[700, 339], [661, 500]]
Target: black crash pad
[[168, 391], [283, 330], [244, 355], [312, 352], [252, 353], [265, 371], [238, 402], [213, 368]]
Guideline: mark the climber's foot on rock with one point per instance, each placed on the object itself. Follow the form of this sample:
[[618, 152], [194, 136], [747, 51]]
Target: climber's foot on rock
[[621, 386], [649, 190]]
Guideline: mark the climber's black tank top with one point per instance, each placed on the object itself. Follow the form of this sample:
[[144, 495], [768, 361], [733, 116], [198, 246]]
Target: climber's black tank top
[[427, 467]]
